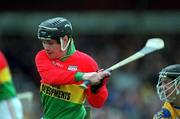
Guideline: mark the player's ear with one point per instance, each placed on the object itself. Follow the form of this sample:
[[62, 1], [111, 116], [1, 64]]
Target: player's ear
[[65, 41]]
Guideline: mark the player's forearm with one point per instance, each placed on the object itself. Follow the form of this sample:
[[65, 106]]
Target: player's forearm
[[97, 100]]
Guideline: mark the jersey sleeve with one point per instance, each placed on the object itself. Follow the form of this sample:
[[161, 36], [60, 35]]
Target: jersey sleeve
[[50, 74], [96, 100], [163, 114], [166, 112]]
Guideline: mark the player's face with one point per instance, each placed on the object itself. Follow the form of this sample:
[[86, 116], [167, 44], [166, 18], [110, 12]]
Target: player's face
[[167, 85], [53, 49], [169, 88]]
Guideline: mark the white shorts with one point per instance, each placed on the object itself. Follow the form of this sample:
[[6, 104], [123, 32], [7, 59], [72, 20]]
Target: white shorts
[[11, 109]]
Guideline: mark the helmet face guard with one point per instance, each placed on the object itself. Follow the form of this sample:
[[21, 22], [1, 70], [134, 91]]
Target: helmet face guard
[[168, 86]]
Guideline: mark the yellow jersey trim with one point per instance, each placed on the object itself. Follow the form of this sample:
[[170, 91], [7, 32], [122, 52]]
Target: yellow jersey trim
[[5, 75]]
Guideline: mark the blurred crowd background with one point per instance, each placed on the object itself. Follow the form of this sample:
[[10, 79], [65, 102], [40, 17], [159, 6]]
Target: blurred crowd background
[[107, 30]]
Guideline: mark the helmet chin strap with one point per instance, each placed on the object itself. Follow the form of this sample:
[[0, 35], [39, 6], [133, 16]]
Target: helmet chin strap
[[64, 47]]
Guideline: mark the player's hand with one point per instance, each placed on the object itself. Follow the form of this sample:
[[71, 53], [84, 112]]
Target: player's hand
[[95, 77], [94, 87], [105, 74]]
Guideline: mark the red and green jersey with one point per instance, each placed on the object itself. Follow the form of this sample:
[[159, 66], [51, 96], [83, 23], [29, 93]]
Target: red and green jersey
[[61, 96], [7, 89]]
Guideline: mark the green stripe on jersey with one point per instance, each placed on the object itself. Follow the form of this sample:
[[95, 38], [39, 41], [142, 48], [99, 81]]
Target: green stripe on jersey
[[55, 108], [7, 90]]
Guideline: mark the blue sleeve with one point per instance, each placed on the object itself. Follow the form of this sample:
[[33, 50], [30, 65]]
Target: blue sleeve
[[163, 114]]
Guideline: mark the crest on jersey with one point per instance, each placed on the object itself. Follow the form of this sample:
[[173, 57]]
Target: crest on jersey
[[72, 68]]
